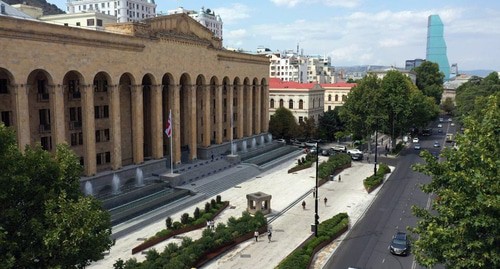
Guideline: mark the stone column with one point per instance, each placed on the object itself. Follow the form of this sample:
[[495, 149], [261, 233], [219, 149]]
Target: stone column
[[156, 122], [137, 124], [116, 131], [265, 109], [176, 132], [229, 111], [218, 114], [207, 119], [248, 110], [240, 108], [191, 95], [22, 122], [88, 128], [257, 110], [57, 107]]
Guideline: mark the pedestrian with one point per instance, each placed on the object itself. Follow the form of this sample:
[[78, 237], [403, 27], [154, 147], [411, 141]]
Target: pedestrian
[[256, 235], [368, 158], [269, 235], [208, 224], [212, 156], [340, 178], [326, 200], [304, 205], [212, 224], [314, 192]]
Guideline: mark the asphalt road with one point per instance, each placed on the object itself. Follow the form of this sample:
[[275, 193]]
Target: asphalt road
[[367, 244]]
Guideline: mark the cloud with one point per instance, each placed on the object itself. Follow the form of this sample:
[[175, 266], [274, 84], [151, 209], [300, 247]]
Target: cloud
[[331, 3], [233, 13]]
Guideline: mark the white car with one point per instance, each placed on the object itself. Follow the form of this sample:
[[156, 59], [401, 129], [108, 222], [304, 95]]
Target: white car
[[440, 125], [452, 124], [354, 151], [415, 140]]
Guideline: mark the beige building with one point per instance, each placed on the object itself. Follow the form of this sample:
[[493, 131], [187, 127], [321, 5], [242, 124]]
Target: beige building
[[336, 94], [108, 93], [304, 100]]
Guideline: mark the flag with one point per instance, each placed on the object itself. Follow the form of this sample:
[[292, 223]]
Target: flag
[[168, 130]]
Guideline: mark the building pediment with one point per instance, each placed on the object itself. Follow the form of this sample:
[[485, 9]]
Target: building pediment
[[175, 26]]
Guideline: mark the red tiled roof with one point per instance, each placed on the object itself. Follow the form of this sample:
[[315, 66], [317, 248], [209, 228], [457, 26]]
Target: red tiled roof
[[338, 84], [277, 83]]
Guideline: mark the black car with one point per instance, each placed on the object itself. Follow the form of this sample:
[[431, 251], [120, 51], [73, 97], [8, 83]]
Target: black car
[[400, 244]]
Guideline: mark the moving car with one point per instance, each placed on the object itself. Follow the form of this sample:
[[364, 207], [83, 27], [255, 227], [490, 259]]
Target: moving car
[[436, 144], [416, 146], [441, 119], [426, 132], [340, 148], [440, 125], [400, 244], [415, 140], [356, 154]]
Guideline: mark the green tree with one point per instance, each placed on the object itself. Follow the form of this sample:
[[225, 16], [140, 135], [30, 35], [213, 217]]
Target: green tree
[[430, 80], [448, 105], [47, 222], [283, 124], [462, 229], [423, 109], [329, 124], [307, 128], [476, 87]]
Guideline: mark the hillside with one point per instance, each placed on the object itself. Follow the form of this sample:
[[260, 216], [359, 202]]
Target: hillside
[[48, 9]]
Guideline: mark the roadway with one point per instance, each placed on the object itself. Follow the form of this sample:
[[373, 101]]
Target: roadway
[[366, 245]]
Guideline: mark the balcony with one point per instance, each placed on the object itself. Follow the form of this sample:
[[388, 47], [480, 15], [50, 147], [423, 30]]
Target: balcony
[[44, 128], [43, 97]]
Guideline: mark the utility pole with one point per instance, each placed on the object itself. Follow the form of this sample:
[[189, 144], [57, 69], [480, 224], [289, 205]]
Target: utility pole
[[316, 216]]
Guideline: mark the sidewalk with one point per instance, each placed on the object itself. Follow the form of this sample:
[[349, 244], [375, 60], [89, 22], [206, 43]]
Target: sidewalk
[[289, 230]]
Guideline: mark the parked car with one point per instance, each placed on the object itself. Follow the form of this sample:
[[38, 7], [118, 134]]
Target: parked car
[[440, 130], [325, 152], [441, 119], [311, 143], [281, 140], [356, 154], [415, 140], [450, 120], [436, 144], [416, 146], [400, 244], [339, 148], [427, 132]]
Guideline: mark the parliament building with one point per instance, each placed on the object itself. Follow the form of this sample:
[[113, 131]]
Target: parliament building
[[108, 94]]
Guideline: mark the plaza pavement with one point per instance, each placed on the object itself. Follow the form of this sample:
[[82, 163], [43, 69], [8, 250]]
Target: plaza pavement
[[289, 230]]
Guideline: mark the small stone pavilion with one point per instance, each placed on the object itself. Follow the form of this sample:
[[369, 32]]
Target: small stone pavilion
[[259, 201]]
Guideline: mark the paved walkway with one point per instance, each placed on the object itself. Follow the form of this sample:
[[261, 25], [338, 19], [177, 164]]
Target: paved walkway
[[290, 229]]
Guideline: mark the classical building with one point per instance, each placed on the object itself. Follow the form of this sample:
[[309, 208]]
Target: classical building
[[305, 100], [336, 94], [108, 93], [205, 17], [122, 10]]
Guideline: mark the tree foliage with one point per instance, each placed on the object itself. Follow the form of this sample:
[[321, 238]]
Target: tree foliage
[[45, 220], [448, 106], [307, 128], [475, 88], [283, 124], [430, 80], [462, 229], [329, 124]]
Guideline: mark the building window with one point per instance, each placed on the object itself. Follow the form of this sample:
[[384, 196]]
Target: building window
[[78, 24], [90, 22], [272, 103], [74, 89], [99, 22], [44, 117], [281, 102], [46, 142], [290, 104], [100, 85], [101, 112], [103, 158], [6, 117], [102, 135], [301, 119], [336, 97], [76, 139], [43, 93], [3, 86], [343, 97], [75, 118], [301, 104], [329, 108], [329, 97]]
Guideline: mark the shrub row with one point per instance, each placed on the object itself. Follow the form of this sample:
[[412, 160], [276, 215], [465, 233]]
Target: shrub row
[[186, 224], [373, 181], [334, 163], [189, 253], [327, 232], [304, 163]]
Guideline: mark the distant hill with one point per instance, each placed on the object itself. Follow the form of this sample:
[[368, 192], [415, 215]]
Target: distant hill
[[479, 72], [48, 9]]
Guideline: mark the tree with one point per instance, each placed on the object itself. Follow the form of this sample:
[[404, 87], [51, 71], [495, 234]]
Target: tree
[[476, 87], [307, 128], [283, 124], [430, 80], [462, 229], [423, 109], [329, 124], [448, 105], [47, 222]]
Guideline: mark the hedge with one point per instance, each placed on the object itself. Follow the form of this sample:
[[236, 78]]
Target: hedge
[[328, 231], [373, 181], [301, 165]]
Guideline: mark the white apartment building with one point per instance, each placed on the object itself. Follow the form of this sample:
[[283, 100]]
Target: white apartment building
[[88, 20], [305, 100], [123, 10], [288, 66], [320, 69], [205, 17]]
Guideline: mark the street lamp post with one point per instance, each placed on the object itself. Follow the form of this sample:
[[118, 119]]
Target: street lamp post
[[376, 146], [316, 216]]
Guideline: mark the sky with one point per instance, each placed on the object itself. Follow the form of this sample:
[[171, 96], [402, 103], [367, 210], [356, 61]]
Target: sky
[[357, 32]]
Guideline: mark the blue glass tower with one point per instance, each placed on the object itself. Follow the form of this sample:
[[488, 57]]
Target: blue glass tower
[[436, 46]]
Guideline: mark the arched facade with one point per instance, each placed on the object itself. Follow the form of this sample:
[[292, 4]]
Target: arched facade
[[109, 96]]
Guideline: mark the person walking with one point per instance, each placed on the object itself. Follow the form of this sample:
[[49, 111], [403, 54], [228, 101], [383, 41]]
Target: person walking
[[256, 235], [326, 200], [304, 205], [269, 235], [340, 178]]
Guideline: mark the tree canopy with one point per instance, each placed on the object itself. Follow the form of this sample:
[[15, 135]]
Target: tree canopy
[[462, 228], [475, 88], [330, 123], [283, 124], [45, 220], [430, 80]]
